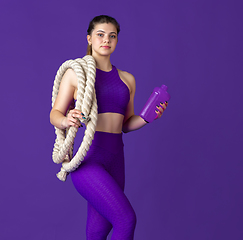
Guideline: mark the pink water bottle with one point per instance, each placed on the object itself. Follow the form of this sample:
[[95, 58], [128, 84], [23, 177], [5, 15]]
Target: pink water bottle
[[158, 96]]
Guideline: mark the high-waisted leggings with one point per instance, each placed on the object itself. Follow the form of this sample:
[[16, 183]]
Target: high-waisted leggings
[[100, 180]]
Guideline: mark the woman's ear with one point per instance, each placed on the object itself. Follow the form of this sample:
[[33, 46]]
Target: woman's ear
[[89, 39]]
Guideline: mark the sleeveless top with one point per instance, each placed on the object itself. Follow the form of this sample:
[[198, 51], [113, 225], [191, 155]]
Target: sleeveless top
[[111, 92]]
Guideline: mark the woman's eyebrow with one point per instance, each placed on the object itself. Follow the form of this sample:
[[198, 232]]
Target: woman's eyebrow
[[104, 32]]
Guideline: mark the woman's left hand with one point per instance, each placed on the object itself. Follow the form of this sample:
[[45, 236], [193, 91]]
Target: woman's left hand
[[160, 109]]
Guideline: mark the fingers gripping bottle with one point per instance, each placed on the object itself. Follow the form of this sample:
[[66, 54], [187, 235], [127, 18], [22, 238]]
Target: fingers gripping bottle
[[158, 96]]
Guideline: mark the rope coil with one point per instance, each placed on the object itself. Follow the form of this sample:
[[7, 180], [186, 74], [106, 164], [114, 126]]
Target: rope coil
[[85, 69]]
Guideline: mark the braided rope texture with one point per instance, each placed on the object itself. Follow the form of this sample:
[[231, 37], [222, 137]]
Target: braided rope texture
[[85, 69]]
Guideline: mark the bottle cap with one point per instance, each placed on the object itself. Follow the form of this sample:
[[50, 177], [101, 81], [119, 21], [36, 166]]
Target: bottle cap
[[164, 87]]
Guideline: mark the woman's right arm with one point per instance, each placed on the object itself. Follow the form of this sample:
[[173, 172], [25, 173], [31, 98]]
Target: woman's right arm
[[64, 98]]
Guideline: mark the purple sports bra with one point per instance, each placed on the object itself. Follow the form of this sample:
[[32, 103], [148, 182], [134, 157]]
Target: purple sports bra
[[112, 93]]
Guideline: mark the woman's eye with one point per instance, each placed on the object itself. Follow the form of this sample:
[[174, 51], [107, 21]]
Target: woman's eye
[[113, 36], [100, 34]]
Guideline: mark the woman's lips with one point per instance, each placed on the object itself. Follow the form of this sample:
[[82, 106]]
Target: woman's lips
[[106, 47]]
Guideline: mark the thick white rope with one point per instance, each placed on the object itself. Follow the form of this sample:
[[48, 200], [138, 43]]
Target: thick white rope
[[85, 69]]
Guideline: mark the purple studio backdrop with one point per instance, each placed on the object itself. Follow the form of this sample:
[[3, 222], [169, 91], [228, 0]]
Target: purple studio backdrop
[[183, 171]]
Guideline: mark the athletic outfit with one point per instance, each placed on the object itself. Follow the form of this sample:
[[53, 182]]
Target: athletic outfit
[[100, 178]]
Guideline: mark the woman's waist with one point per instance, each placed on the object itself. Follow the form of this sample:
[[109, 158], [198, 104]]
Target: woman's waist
[[109, 122], [107, 140]]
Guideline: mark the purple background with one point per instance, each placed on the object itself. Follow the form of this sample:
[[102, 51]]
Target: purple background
[[183, 172]]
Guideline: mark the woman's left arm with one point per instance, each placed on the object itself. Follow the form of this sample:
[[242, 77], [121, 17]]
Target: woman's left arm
[[131, 121]]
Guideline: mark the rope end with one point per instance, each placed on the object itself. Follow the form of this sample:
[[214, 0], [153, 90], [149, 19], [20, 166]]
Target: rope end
[[62, 175]]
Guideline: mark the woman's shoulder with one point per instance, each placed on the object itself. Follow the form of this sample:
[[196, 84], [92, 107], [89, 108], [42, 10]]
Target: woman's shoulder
[[128, 79], [70, 73], [70, 77], [126, 76]]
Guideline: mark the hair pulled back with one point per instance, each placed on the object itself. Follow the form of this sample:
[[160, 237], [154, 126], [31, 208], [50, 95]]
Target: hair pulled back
[[98, 20]]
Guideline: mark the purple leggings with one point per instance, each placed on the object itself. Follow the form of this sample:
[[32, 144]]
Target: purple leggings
[[100, 180]]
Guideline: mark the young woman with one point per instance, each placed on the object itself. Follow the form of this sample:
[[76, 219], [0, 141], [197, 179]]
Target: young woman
[[100, 177]]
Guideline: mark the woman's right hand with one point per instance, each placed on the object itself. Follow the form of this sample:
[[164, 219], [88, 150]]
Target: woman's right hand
[[72, 119]]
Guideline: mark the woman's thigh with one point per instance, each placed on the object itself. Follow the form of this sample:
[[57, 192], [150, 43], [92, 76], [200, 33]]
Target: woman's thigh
[[100, 189]]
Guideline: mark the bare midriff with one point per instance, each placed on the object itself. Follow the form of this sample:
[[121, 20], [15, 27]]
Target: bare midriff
[[109, 122]]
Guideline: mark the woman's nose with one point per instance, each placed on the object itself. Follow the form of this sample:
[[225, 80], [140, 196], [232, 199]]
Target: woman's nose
[[106, 39]]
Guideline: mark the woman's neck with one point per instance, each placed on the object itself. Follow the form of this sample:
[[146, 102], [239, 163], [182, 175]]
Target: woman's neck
[[103, 63]]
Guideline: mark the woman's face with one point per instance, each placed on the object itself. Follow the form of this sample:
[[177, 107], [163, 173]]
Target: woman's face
[[103, 39]]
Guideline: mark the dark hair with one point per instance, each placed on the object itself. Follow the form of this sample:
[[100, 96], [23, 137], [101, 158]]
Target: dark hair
[[98, 20]]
